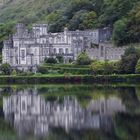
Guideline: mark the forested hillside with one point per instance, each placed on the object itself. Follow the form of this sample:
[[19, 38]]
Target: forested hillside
[[122, 15]]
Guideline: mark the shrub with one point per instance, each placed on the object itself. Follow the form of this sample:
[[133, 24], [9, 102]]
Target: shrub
[[50, 60], [14, 72], [0, 58], [138, 67], [42, 70], [97, 67], [60, 59], [129, 61], [25, 74], [104, 68], [61, 70], [108, 68], [83, 59], [6, 69], [38, 74]]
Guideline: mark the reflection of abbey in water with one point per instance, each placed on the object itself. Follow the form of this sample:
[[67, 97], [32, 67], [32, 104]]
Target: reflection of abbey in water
[[30, 112]]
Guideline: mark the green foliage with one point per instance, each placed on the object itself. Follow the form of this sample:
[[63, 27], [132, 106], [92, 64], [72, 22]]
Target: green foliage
[[42, 70], [50, 60], [134, 24], [104, 67], [89, 21], [114, 10], [76, 14], [0, 58], [83, 59], [58, 69], [120, 32], [22, 73], [129, 61], [138, 67], [131, 50], [6, 69], [5, 30], [97, 67], [60, 59], [14, 73]]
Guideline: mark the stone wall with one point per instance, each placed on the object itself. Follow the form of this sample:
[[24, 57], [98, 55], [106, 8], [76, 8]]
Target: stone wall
[[105, 51]]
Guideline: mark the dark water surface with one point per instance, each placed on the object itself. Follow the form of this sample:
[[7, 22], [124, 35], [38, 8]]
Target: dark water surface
[[70, 112]]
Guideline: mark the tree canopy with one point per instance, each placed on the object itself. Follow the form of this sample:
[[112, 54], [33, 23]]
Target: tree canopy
[[122, 15]]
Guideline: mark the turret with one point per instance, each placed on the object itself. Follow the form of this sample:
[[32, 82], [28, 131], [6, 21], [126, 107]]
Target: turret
[[40, 29], [20, 29]]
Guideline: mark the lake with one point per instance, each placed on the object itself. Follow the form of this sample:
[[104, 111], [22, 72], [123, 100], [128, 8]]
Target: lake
[[70, 112]]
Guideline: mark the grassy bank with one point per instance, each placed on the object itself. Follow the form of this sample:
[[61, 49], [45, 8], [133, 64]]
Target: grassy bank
[[42, 79]]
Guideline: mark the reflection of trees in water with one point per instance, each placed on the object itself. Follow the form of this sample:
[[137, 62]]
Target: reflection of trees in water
[[130, 98], [60, 134], [127, 126]]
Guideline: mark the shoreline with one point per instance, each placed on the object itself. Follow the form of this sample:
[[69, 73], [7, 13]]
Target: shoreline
[[61, 79]]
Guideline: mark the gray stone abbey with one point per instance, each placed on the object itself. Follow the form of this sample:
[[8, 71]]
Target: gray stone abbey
[[25, 49]]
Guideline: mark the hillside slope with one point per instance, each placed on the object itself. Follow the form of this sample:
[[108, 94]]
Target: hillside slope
[[123, 15]]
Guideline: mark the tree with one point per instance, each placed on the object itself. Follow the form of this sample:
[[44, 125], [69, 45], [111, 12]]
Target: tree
[[134, 24], [14, 73], [77, 20], [120, 32], [104, 68], [6, 69], [83, 59], [129, 60], [0, 58], [114, 10], [5, 30], [138, 67], [89, 20], [131, 50]]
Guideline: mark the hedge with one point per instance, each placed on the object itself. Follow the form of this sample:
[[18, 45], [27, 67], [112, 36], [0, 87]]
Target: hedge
[[63, 70], [67, 65], [69, 79]]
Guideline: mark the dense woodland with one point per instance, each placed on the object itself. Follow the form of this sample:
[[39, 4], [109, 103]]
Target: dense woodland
[[122, 15]]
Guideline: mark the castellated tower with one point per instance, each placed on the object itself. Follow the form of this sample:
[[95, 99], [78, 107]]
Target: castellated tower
[[40, 29], [20, 29]]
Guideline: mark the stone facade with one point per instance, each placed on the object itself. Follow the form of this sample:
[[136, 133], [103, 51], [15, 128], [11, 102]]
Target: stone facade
[[3, 2], [26, 49], [105, 51]]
